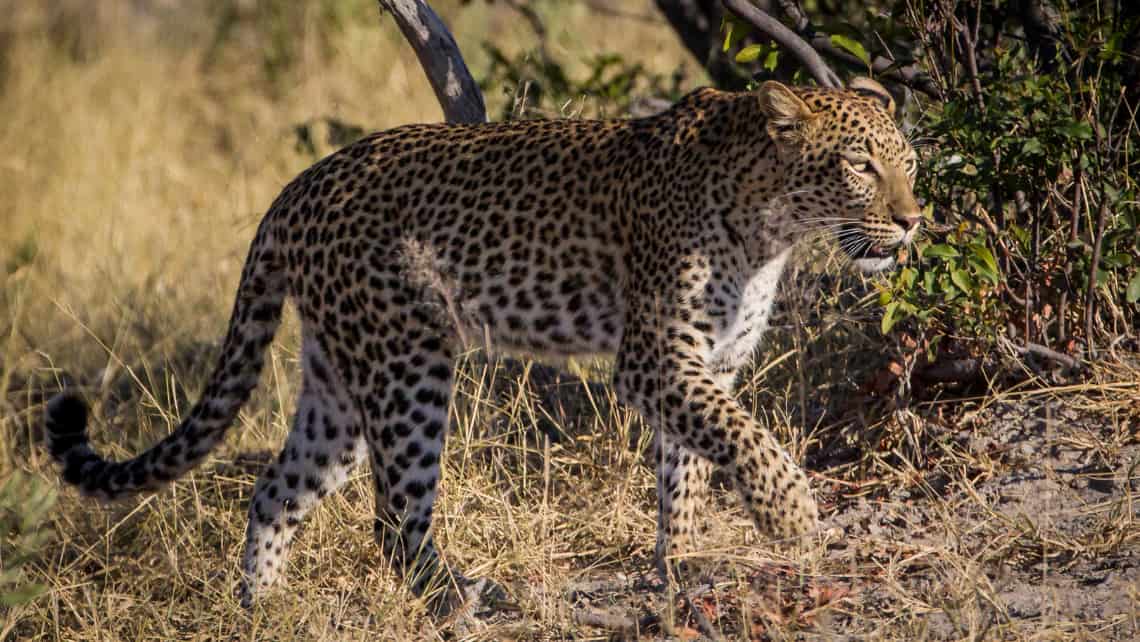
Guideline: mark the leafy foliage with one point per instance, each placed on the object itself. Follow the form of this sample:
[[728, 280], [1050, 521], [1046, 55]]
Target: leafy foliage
[[1033, 172], [957, 278], [24, 501], [542, 86]]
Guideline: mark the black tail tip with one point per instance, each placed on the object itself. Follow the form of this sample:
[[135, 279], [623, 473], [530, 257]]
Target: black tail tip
[[66, 415], [65, 426]]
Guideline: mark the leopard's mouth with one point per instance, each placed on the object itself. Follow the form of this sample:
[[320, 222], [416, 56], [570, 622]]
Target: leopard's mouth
[[867, 254], [878, 251], [858, 245]]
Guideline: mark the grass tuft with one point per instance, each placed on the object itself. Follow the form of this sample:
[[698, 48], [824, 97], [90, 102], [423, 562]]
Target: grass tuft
[[138, 154]]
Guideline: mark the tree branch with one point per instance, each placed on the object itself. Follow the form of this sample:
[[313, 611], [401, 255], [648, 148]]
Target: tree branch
[[910, 75], [795, 13], [456, 90], [786, 38], [696, 23]]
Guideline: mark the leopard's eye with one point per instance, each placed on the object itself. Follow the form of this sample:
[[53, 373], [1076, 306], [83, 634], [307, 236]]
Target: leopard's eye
[[862, 168]]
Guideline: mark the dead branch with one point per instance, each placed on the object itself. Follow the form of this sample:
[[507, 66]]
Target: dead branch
[[1050, 354], [794, 12], [969, 39], [625, 626], [951, 371], [458, 95]]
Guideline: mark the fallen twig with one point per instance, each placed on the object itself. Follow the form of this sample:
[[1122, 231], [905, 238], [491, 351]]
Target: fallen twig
[[703, 625], [1044, 352]]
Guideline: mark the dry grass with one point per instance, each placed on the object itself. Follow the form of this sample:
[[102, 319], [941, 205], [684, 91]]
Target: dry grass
[[132, 181]]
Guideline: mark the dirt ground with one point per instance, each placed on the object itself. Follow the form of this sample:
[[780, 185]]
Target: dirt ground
[[1020, 524], [1010, 515]]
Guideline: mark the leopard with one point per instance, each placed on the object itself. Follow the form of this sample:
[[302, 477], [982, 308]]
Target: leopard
[[660, 240]]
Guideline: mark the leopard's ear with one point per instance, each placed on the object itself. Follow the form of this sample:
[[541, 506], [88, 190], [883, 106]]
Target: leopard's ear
[[789, 117], [870, 89]]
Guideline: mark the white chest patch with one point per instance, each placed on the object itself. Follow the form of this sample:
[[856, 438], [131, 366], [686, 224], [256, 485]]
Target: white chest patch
[[740, 313]]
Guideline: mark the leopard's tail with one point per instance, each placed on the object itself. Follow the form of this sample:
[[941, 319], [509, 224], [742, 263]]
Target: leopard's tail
[[256, 315]]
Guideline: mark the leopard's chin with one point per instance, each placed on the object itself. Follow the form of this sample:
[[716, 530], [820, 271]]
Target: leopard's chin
[[876, 258], [871, 264]]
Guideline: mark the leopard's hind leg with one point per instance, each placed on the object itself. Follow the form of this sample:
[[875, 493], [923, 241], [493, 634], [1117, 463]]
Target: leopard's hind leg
[[322, 448], [405, 395], [405, 407]]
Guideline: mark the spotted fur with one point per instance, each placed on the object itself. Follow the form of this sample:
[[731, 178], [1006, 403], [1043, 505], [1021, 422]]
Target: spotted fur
[[660, 239]]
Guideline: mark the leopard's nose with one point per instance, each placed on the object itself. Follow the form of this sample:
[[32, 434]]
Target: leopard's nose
[[907, 222]]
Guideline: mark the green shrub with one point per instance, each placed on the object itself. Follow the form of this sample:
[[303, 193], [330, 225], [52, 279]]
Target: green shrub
[[1033, 178], [24, 501], [542, 86]]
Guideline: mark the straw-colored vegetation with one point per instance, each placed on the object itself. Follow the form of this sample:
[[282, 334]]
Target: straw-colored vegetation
[[139, 144]]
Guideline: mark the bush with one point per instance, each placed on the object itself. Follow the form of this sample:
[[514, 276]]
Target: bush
[[1032, 173], [24, 500], [1029, 151], [541, 86]]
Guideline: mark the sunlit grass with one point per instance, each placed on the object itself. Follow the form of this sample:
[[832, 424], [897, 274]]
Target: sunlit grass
[[132, 180]]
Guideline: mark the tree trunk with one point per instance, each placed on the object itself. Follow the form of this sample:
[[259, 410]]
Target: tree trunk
[[456, 90]]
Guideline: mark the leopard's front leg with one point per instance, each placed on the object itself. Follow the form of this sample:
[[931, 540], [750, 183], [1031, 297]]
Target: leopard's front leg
[[662, 371], [682, 495]]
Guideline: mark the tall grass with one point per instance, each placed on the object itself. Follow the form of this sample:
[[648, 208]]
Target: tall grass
[[140, 143]]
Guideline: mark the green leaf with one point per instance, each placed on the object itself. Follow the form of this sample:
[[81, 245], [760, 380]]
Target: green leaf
[[1078, 130], [961, 278], [772, 59], [1119, 259], [1132, 293], [890, 317], [983, 261], [940, 250], [906, 277], [749, 53], [1032, 146], [734, 29], [851, 46]]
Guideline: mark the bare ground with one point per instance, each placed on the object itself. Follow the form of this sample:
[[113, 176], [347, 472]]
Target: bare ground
[[1019, 522]]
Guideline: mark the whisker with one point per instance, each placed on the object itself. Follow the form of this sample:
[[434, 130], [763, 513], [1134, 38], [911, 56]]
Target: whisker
[[834, 222], [814, 219], [837, 233], [838, 224]]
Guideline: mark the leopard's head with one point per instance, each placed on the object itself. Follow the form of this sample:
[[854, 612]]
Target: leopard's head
[[846, 166]]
